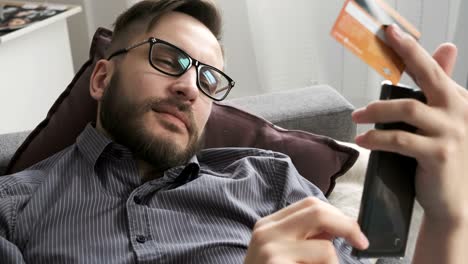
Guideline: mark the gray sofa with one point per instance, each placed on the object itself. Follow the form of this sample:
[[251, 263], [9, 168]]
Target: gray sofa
[[317, 109]]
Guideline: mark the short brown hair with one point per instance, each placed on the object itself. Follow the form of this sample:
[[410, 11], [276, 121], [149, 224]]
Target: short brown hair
[[144, 15]]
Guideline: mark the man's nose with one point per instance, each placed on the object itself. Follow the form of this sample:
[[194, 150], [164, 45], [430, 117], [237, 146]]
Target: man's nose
[[185, 87]]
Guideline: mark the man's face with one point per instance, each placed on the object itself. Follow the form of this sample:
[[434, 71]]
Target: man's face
[[160, 117]]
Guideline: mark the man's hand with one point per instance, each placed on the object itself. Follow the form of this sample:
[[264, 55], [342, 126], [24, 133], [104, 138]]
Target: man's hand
[[302, 233], [440, 145]]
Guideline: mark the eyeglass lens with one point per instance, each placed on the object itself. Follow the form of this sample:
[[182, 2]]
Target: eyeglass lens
[[170, 60]]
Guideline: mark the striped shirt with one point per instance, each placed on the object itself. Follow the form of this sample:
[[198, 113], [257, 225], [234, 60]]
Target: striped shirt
[[88, 204]]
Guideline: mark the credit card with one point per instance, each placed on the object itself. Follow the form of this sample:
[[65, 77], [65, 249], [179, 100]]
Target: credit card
[[360, 28]]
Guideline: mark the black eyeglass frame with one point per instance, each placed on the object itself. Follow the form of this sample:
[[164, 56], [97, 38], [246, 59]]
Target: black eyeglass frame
[[193, 62]]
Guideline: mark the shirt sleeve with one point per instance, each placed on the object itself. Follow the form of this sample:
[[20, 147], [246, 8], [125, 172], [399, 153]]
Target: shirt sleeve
[[9, 252], [14, 194], [294, 188]]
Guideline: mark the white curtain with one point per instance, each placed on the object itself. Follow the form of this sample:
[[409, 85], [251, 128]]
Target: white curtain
[[293, 48], [461, 39]]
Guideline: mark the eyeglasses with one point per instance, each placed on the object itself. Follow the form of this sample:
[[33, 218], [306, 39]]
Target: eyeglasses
[[171, 60]]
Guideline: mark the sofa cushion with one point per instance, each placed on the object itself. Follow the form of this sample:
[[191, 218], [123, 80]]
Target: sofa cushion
[[9, 143], [318, 109], [318, 158]]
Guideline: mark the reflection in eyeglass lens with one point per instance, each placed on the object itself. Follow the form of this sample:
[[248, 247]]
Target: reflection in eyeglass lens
[[209, 80], [184, 62]]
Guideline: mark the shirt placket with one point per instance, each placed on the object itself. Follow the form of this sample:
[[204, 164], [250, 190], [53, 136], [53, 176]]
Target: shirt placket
[[139, 223]]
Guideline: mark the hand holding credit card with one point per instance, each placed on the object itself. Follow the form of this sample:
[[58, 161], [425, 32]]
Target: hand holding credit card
[[359, 28], [389, 187]]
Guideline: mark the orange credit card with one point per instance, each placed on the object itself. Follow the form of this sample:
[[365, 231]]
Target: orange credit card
[[360, 28]]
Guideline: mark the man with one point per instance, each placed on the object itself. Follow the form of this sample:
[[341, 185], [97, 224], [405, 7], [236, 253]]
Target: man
[[132, 190]]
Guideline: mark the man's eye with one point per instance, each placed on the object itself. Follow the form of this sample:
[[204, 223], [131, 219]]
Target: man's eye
[[167, 63], [209, 81], [209, 86], [164, 61]]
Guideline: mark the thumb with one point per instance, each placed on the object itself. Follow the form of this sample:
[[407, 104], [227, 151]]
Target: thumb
[[446, 57]]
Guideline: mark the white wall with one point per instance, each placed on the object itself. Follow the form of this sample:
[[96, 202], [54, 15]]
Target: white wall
[[241, 62], [35, 68]]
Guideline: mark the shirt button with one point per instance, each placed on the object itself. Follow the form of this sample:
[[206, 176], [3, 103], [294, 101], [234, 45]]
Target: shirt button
[[137, 199], [141, 239]]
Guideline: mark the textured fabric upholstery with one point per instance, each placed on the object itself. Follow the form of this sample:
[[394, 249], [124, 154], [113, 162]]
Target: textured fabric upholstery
[[318, 109], [8, 145]]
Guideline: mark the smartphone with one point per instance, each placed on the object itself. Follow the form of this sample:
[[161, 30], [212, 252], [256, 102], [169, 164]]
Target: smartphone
[[389, 192]]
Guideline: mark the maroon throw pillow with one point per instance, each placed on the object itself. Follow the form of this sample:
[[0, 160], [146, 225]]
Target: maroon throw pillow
[[319, 159]]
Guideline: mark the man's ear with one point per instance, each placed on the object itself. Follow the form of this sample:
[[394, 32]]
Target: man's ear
[[100, 78]]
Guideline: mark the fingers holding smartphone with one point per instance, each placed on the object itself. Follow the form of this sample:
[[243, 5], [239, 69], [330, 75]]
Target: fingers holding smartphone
[[440, 146]]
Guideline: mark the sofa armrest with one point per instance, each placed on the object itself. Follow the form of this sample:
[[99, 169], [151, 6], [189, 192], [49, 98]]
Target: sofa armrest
[[9, 143], [317, 109]]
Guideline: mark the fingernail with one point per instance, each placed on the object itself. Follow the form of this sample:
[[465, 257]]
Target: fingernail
[[358, 111], [364, 241], [397, 31], [358, 139], [356, 115]]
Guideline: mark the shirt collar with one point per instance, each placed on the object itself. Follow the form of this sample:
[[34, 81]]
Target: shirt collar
[[192, 168], [93, 143], [181, 175]]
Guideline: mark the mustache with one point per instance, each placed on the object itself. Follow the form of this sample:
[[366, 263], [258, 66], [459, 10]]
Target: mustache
[[160, 105], [170, 102]]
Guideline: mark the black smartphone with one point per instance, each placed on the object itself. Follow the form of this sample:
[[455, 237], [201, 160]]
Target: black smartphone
[[389, 192]]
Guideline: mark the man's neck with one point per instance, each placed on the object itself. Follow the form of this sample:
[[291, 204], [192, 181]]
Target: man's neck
[[101, 130], [146, 171]]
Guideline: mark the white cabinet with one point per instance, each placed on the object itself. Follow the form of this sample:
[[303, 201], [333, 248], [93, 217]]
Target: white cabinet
[[35, 67]]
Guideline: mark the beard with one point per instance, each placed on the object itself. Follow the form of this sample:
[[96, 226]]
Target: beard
[[123, 120]]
